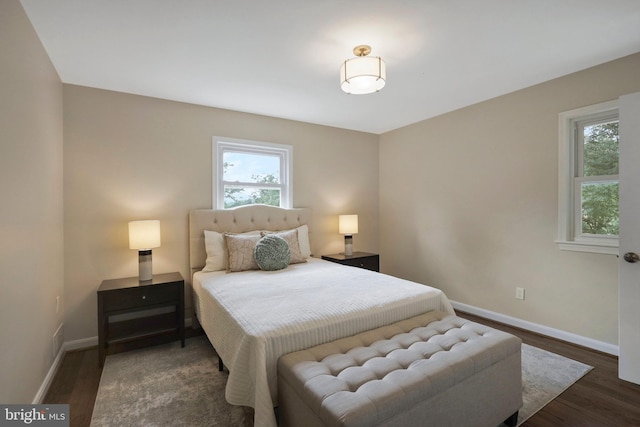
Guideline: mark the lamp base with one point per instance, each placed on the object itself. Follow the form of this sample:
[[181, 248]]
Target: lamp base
[[348, 245], [144, 265]]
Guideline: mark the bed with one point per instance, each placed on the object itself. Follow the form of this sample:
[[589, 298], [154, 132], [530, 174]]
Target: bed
[[253, 317]]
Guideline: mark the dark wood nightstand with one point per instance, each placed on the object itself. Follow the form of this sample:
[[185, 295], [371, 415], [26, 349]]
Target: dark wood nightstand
[[133, 314], [358, 259]]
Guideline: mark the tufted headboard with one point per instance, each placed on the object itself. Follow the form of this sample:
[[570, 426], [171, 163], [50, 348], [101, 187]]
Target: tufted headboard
[[239, 220]]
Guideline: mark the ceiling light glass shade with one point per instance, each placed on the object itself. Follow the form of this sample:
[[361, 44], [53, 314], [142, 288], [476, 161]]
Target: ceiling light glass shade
[[363, 74]]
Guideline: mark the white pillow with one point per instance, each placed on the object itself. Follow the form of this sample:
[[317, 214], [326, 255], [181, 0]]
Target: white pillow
[[216, 251], [303, 241], [217, 255]]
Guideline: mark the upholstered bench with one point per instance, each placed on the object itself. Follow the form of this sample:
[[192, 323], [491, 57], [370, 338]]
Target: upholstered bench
[[431, 370]]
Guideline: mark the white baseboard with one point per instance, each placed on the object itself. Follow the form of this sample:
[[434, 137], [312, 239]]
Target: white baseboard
[[67, 346], [540, 329], [48, 379]]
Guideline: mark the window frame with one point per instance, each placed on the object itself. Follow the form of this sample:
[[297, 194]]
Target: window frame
[[569, 203], [220, 145]]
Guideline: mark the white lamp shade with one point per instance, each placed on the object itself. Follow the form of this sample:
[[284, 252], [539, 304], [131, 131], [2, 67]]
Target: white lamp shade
[[362, 75], [348, 224], [144, 234]]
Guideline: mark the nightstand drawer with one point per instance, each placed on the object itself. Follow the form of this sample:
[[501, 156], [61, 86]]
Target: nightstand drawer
[[136, 298], [370, 263], [364, 260]]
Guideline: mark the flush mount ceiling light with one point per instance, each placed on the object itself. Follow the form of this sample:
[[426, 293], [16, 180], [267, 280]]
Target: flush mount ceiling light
[[362, 74]]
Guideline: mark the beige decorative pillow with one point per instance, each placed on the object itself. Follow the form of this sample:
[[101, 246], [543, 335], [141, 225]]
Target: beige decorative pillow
[[291, 237], [240, 249]]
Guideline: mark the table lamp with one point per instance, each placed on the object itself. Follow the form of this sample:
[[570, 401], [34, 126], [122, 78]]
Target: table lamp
[[144, 236], [348, 225]]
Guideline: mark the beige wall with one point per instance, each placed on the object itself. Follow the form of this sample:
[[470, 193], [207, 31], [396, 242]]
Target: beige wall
[[31, 245], [481, 216], [129, 157]]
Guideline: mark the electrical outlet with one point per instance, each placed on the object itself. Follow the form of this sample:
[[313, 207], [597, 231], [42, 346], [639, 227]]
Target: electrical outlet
[[58, 339], [520, 293]]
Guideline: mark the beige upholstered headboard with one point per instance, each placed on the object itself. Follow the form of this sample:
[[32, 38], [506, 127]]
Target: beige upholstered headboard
[[239, 220]]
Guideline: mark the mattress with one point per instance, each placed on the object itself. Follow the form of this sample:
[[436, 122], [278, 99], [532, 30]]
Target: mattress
[[254, 317]]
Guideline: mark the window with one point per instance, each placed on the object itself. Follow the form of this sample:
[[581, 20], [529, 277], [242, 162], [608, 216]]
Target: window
[[588, 180], [250, 172]]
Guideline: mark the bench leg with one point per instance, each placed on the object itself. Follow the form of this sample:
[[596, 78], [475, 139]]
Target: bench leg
[[512, 421]]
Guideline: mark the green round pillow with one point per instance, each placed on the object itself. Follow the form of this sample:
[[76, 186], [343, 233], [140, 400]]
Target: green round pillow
[[272, 253]]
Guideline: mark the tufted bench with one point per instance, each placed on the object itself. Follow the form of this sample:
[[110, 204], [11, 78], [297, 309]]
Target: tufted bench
[[431, 370]]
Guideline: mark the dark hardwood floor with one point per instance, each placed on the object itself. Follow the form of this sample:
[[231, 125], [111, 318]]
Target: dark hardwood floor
[[599, 399], [76, 383]]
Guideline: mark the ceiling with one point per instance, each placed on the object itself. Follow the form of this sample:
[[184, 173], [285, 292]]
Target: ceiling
[[281, 57]]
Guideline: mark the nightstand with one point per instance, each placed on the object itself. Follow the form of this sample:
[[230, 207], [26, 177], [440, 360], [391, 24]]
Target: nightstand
[[133, 314], [358, 259]]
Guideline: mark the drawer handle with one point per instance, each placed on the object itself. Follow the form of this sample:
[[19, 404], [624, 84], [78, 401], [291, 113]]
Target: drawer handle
[[144, 297]]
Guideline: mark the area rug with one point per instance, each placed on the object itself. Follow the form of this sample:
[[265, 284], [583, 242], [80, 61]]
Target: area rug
[[166, 385], [172, 386], [545, 376]]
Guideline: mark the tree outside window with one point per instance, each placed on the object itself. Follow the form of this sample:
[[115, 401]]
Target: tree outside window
[[588, 179], [251, 172], [599, 179], [238, 195]]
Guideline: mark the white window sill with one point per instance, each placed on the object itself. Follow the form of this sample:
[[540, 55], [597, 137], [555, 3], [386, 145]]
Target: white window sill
[[610, 249]]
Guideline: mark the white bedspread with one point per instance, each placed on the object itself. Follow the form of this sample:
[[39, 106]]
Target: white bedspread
[[252, 318]]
